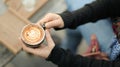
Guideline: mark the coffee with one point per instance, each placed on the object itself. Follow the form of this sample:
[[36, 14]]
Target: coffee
[[32, 35]]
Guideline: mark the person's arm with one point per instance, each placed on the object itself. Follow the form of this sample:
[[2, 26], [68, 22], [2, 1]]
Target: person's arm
[[99, 9], [63, 58]]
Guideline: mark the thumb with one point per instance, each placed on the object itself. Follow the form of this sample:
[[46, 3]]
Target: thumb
[[49, 39]]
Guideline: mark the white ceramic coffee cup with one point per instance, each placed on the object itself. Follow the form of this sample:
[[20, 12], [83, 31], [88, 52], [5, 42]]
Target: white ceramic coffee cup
[[33, 35]]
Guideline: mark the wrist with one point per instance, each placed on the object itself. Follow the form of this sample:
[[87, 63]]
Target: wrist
[[50, 48], [52, 53]]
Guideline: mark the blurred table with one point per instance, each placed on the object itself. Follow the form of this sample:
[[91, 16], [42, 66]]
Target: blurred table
[[10, 28], [12, 21], [18, 6]]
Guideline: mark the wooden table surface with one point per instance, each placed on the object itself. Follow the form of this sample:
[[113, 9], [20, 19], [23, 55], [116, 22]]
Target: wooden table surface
[[10, 28], [18, 6]]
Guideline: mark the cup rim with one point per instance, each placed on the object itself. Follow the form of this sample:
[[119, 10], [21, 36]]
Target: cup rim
[[36, 43]]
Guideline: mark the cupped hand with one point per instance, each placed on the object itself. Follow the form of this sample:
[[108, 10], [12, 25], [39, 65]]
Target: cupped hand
[[44, 50]]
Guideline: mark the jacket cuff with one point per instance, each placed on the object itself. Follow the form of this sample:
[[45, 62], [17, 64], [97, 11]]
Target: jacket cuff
[[67, 18], [55, 55]]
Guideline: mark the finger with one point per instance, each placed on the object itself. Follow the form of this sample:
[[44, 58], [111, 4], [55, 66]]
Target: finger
[[52, 24], [91, 54], [42, 46], [49, 39], [48, 17], [27, 49], [42, 21], [105, 58], [104, 55], [20, 41], [48, 30]]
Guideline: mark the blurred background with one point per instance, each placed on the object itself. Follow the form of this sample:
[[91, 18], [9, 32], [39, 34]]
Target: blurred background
[[32, 13]]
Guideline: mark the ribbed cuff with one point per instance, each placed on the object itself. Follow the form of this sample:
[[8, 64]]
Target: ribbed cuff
[[56, 55], [67, 18]]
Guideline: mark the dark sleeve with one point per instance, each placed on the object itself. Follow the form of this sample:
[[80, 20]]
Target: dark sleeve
[[99, 9], [63, 58]]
